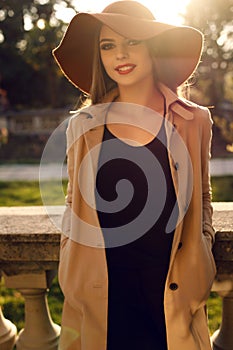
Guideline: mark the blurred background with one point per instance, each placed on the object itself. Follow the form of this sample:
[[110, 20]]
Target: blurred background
[[35, 98]]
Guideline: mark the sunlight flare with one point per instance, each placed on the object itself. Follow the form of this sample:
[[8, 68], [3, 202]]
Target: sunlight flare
[[169, 11]]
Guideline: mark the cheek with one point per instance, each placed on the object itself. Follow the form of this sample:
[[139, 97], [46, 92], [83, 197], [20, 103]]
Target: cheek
[[148, 62], [143, 56], [108, 65], [147, 57]]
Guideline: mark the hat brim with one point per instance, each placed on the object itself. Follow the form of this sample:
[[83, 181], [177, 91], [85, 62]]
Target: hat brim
[[178, 47]]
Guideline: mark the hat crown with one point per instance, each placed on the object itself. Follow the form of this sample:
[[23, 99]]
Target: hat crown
[[129, 8]]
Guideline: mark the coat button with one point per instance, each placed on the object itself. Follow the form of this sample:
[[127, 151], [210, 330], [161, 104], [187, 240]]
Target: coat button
[[173, 286], [176, 166], [180, 245]]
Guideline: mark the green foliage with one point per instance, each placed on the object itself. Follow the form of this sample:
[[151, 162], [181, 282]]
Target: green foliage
[[214, 83], [222, 188], [214, 308], [226, 128], [55, 300], [29, 30], [12, 304], [214, 19]]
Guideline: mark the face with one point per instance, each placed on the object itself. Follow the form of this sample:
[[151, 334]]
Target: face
[[126, 61]]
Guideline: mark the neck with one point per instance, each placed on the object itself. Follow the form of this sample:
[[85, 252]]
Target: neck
[[148, 96]]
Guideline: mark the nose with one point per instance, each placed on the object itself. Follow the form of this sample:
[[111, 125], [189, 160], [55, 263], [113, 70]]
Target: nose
[[122, 52]]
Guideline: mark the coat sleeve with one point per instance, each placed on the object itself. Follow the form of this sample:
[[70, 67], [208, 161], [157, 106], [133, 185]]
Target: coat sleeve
[[208, 229], [66, 219]]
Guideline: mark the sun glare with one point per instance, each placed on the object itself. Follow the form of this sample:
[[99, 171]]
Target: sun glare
[[169, 11]]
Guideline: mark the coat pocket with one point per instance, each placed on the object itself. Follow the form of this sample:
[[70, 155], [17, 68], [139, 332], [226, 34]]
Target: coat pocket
[[70, 338], [62, 260], [200, 331], [203, 273]]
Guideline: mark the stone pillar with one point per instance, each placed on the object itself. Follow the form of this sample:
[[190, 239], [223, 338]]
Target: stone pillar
[[222, 339], [8, 333], [39, 332]]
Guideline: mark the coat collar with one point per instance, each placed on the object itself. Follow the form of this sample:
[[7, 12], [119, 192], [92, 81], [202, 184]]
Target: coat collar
[[179, 105]]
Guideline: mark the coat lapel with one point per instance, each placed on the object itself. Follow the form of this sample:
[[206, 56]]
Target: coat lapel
[[93, 129]]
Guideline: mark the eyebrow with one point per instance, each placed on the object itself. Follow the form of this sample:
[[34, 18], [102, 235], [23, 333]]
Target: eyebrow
[[106, 39]]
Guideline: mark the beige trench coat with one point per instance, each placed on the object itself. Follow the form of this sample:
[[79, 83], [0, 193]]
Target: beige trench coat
[[83, 271]]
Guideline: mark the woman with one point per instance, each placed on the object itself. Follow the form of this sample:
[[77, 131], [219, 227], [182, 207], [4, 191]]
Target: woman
[[134, 281]]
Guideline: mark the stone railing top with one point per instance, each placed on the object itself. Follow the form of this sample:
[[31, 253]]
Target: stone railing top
[[223, 216], [35, 219], [29, 220], [29, 238]]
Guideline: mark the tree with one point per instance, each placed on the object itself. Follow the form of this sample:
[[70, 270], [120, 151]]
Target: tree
[[29, 30], [214, 19]]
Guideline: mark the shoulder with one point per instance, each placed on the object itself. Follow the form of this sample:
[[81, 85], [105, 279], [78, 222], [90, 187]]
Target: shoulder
[[74, 126], [79, 115], [203, 121], [85, 120], [201, 114], [77, 119], [92, 112]]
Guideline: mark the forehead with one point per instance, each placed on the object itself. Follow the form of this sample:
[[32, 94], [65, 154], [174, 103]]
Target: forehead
[[108, 33]]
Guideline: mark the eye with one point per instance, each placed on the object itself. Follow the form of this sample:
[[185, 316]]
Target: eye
[[107, 46], [132, 42]]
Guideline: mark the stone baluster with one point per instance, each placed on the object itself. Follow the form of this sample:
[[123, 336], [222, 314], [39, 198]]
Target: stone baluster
[[39, 331], [29, 255], [222, 339], [8, 333]]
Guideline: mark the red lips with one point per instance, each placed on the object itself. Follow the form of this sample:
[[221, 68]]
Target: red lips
[[125, 68]]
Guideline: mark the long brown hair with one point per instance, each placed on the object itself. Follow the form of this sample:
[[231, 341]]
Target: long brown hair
[[101, 82]]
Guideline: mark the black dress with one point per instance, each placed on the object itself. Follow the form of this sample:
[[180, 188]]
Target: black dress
[[137, 270]]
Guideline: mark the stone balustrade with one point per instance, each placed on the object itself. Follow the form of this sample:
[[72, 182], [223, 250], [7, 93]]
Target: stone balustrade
[[31, 122], [29, 255]]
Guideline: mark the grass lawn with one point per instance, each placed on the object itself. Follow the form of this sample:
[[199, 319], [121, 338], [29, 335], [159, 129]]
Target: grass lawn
[[222, 187], [23, 193]]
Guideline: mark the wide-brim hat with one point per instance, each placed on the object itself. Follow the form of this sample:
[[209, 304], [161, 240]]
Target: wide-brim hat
[[178, 48]]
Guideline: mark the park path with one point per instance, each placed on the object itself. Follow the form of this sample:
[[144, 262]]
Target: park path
[[14, 172], [218, 167]]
